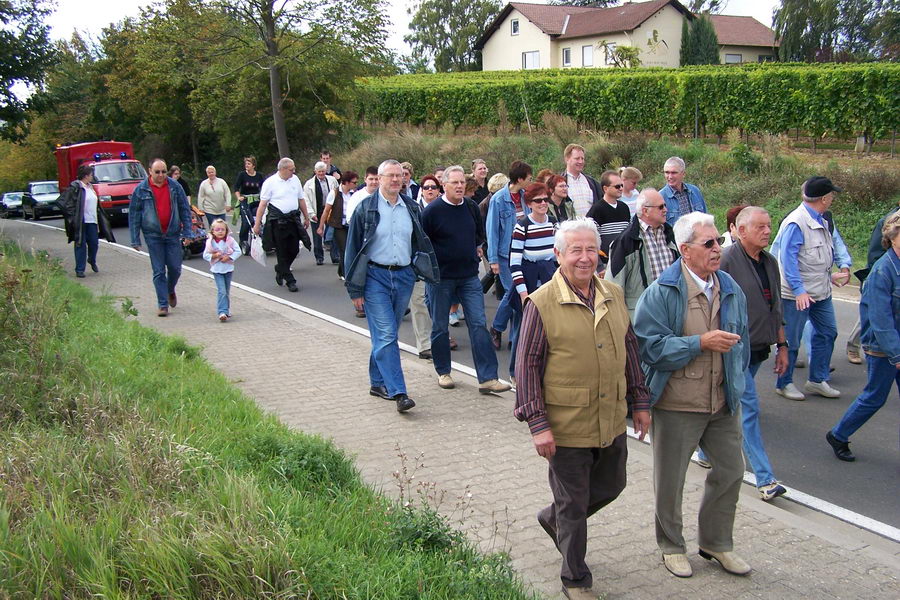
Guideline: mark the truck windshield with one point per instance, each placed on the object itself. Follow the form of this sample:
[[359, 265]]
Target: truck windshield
[[45, 188], [121, 171]]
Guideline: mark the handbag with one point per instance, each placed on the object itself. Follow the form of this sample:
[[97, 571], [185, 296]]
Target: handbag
[[256, 249]]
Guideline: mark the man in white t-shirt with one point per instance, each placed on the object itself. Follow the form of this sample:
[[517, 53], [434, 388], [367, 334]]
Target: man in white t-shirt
[[364, 192], [282, 195]]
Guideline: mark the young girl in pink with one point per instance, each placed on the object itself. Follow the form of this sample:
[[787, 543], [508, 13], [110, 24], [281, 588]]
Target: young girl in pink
[[221, 251]]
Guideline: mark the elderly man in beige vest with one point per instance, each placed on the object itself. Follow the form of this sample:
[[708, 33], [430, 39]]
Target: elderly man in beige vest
[[691, 324], [805, 253], [577, 364]]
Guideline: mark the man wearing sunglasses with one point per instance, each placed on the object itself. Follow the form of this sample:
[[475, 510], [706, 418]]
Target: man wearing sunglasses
[[160, 210], [691, 325], [611, 215]]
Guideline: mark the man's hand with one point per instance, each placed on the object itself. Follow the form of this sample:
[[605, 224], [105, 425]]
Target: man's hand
[[256, 228], [841, 278], [479, 251], [718, 340], [544, 444], [781, 361], [495, 268], [305, 222], [641, 421], [803, 301], [358, 303], [321, 229], [314, 218]]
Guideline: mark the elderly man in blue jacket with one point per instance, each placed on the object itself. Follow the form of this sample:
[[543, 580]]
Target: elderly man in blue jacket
[[691, 325], [681, 198]]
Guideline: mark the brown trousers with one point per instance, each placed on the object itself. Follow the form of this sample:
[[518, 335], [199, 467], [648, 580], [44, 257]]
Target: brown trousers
[[583, 480]]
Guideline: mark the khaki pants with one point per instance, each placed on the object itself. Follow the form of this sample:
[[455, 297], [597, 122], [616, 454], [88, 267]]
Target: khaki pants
[[675, 436], [421, 320]]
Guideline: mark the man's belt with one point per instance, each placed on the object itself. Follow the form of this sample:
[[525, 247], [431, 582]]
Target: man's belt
[[388, 267]]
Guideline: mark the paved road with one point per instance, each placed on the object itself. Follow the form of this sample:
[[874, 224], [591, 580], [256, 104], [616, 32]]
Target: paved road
[[793, 431]]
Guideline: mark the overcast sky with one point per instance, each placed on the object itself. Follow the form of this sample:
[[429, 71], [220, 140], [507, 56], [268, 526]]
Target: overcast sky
[[93, 15]]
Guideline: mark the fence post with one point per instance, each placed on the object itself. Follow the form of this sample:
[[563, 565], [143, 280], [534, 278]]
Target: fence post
[[696, 119], [893, 141]]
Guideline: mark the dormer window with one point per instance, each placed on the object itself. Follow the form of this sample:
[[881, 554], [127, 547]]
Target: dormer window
[[514, 27]]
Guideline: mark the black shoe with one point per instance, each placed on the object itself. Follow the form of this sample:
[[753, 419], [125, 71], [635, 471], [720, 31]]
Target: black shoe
[[279, 279], [335, 262], [79, 274], [425, 355], [245, 248], [406, 312], [319, 262], [94, 267], [292, 286], [379, 391], [496, 338], [404, 403], [841, 449]]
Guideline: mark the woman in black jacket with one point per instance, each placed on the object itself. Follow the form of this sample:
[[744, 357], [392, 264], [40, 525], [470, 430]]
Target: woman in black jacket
[[85, 220]]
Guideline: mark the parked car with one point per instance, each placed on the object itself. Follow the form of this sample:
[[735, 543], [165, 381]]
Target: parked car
[[40, 200], [11, 205]]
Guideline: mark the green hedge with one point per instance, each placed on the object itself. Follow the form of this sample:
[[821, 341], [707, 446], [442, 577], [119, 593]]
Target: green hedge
[[836, 99]]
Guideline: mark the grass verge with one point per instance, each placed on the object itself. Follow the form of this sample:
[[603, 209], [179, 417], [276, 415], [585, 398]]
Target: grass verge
[[132, 469]]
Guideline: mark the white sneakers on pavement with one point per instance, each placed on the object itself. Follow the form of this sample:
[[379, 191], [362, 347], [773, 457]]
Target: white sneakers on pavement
[[821, 388], [790, 392]]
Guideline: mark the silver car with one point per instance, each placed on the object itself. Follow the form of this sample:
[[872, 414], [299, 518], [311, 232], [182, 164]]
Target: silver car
[[40, 200], [11, 204]]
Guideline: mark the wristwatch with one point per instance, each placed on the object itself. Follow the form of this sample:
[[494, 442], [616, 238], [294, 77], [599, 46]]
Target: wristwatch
[[781, 345]]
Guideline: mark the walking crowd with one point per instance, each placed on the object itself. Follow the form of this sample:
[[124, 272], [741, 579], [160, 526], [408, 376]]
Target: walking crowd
[[618, 302]]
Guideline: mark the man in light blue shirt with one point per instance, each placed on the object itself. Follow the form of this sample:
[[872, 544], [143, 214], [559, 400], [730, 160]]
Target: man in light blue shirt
[[804, 248]]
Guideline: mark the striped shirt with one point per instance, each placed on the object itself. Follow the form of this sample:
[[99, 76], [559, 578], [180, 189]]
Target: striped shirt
[[611, 219], [531, 360], [534, 245]]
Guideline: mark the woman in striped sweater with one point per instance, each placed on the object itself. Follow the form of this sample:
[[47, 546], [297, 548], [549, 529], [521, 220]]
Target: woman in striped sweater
[[531, 259]]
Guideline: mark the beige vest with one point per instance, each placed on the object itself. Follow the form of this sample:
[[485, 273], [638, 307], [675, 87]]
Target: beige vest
[[698, 386], [584, 378], [814, 258]]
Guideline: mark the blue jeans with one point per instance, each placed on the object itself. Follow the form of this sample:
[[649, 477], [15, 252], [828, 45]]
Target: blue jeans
[[878, 385], [440, 296], [165, 260], [386, 297], [223, 287], [821, 314], [507, 312], [86, 251], [210, 217]]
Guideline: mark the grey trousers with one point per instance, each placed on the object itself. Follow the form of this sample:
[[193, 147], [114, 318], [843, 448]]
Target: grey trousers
[[853, 343], [421, 320], [583, 480], [675, 435]]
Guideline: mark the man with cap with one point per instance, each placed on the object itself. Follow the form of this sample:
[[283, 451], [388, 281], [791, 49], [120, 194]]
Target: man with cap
[[804, 249]]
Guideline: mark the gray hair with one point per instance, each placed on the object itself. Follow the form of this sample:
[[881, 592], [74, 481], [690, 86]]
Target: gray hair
[[560, 240], [388, 163], [208, 167], [890, 230], [445, 176], [685, 226], [320, 166], [642, 199], [743, 217], [285, 162], [806, 198], [675, 161]]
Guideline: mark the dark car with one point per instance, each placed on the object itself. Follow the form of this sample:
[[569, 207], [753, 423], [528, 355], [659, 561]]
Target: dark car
[[11, 205], [40, 200]]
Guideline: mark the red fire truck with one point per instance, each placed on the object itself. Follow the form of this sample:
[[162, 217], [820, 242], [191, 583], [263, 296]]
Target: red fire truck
[[116, 172]]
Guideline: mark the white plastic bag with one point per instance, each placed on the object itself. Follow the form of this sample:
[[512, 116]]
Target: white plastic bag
[[256, 249]]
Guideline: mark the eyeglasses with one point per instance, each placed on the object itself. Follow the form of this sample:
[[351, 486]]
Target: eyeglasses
[[618, 186], [659, 206], [158, 172], [539, 200], [430, 187], [710, 242]]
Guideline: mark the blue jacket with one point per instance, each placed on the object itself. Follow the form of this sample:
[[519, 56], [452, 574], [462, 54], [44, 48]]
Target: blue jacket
[[362, 226], [672, 210], [142, 215], [879, 308], [501, 220], [659, 321]]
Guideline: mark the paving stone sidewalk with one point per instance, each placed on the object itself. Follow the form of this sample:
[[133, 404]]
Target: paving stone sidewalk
[[466, 453]]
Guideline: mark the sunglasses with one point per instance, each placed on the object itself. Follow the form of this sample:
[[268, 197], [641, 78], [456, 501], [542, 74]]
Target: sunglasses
[[710, 242], [618, 186], [660, 206], [539, 200], [430, 187]]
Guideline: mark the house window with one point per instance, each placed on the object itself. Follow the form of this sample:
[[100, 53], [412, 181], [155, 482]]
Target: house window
[[514, 27], [531, 60], [610, 48], [567, 57], [732, 59], [765, 58], [587, 56]]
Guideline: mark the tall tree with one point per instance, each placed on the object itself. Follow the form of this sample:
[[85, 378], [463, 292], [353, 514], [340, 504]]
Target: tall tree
[[704, 42], [684, 54], [446, 31], [25, 54]]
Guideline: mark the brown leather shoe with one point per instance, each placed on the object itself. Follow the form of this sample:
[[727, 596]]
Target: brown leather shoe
[[162, 312], [173, 300]]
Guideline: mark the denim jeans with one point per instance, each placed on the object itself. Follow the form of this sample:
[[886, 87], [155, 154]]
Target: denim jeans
[[86, 251], [386, 297], [223, 288], [468, 291], [878, 385], [165, 260], [210, 217], [318, 251], [507, 312], [821, 313]]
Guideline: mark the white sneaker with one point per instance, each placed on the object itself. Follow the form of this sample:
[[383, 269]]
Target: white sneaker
[[821, 388], [454, 320], [790, 392], [446, 382]]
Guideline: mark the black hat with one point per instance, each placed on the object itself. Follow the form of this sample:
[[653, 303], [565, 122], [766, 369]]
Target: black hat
[[816, 187]]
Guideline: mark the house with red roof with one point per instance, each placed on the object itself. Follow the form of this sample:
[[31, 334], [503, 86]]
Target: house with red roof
[[540, 36]]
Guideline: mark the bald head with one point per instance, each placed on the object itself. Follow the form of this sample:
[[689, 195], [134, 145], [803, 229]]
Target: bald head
[[650, 207]]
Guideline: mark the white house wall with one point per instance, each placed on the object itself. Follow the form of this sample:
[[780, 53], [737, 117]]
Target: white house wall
[[503, 51], [749, 54]]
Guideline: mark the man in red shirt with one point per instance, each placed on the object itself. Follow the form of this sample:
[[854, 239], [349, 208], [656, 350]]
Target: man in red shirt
[[160, 210]]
